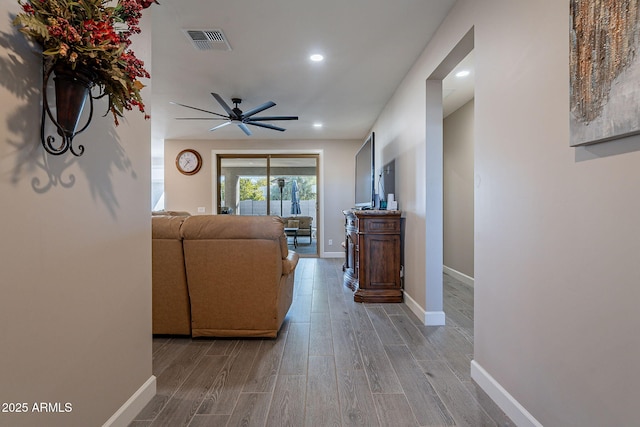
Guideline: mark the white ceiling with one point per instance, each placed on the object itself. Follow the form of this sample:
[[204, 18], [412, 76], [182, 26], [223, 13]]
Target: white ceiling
[[368, 45], [458, 90]]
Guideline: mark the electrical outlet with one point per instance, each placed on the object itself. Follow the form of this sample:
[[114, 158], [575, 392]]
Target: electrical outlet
[[330, 242], [201, 210]]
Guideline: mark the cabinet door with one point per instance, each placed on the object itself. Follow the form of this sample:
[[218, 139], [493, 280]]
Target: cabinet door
[[382, 263]]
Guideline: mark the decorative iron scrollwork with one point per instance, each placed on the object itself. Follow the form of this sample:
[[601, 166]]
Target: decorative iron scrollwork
[[66, 130]]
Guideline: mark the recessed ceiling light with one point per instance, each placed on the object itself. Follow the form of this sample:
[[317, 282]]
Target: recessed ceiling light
[[463, 73], [316, 57], [317, 125]]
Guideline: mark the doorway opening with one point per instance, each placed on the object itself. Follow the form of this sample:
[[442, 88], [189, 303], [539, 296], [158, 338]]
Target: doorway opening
[[458, 171], [434, 259]]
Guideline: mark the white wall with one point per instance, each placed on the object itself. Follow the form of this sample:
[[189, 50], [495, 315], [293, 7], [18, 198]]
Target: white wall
[[335, 190], [458, 134], [75, 257], [557, 237]]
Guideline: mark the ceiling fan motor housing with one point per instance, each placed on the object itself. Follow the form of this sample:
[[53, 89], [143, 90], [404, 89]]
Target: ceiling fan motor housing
[[236, 110]]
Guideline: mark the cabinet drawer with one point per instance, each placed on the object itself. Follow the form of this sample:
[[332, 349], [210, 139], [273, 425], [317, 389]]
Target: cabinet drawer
[[382, 225]]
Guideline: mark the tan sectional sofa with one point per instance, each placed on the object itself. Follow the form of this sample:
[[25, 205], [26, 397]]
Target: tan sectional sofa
[[170, 306], [171, 213], [239, 276]]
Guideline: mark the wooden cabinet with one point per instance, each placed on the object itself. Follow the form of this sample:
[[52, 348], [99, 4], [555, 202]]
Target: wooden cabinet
[[372, 255]]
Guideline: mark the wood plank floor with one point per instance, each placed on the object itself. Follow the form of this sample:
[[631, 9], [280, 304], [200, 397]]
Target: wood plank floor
[[335, 363]]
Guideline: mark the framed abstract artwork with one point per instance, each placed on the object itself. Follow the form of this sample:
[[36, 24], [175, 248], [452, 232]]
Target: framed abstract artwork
[[604, 70]]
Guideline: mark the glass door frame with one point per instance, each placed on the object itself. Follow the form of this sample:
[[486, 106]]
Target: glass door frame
[[220, 157], [268, 157]]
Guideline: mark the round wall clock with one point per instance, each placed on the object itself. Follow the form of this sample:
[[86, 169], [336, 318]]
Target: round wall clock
[[189, 161]]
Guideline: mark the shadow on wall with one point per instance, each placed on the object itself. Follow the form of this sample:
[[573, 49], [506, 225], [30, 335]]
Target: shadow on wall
[[21, 71], [614, 147]]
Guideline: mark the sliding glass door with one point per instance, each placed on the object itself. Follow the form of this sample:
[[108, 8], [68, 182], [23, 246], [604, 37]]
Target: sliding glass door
[[293, 186], [242, 186], [282, 185]]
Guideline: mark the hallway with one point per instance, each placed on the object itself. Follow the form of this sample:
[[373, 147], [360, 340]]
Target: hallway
[[334, 363]]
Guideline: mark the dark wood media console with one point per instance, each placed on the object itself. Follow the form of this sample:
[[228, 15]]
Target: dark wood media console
[[373, 255]]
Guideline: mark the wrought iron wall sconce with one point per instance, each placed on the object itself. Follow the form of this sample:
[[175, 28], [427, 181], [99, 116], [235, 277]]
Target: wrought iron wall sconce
[[72, 88]]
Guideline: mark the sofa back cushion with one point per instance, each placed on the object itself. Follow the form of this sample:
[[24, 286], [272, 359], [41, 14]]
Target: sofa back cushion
[[170, 213], [234, 269], [234, 227], [166, 227], [170, 309]]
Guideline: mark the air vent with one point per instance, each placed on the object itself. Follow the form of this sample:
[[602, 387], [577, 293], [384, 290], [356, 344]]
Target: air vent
[[207, 39]]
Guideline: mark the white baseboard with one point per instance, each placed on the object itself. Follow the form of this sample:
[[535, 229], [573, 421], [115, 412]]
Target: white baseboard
[[413, 306], [434, 318], [514, 410], [467, 280], [133, 406], [333, 254], [429, 318]]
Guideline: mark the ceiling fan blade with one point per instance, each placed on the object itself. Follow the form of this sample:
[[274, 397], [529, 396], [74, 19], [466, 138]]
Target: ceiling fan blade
[[220, 125], [202, 118], [244, 128], [270, 118], [259, 108], [197, 109], [265, 125], [224, 105]]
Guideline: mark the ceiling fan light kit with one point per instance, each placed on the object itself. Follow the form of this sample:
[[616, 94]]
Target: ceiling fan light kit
[[240, 118]]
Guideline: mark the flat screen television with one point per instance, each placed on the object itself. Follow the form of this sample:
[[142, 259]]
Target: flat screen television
[[365, 174]]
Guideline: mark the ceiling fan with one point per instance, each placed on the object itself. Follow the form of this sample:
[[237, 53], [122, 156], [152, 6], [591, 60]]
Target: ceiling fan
[[237, 116]]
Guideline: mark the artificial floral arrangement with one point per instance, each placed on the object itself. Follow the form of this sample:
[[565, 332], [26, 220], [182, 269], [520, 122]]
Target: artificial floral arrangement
[[93, 37]]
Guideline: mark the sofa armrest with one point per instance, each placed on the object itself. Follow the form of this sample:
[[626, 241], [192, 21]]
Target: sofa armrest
[[289, 263]]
